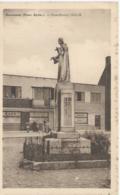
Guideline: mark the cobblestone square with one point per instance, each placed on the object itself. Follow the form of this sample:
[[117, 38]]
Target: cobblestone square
[[15, 177]]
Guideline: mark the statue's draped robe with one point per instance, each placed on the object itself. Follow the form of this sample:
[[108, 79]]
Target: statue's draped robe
[[63, 67]]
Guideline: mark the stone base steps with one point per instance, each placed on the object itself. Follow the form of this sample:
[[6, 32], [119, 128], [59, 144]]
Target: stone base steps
[[56, 165]]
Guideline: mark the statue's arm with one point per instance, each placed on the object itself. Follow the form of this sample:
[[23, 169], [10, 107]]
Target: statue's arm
[[55, 59]]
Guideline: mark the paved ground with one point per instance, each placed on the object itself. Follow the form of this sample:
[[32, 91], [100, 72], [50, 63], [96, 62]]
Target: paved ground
[[21, 133], [18, 134], [15, 177]]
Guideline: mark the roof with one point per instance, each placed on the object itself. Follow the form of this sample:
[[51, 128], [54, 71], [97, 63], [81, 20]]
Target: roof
[[76, 83]]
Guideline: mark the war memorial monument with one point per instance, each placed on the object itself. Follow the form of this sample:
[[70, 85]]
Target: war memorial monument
[[64, 147]]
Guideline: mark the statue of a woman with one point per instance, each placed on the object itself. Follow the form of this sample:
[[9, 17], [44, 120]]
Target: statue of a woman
[[63, 61]]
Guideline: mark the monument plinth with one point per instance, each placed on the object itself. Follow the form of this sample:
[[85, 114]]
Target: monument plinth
[[65, 107]]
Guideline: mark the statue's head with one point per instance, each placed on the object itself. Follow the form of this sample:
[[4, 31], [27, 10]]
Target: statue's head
[[60, 40]]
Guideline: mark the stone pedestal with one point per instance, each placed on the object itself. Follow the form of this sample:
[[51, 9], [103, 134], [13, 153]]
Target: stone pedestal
[[67, 146], [65, 107], [67, 135], [68, 141]]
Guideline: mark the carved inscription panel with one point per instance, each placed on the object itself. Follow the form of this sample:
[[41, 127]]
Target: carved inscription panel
[[67, 111]]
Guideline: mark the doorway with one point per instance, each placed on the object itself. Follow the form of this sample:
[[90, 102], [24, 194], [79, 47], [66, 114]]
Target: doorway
[[25, 116], [97, 121]]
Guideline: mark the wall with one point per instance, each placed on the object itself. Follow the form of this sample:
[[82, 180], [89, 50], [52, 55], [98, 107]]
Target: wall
[[18, 103], [12, 119], [27, 82], [91, 108], [24, 104]]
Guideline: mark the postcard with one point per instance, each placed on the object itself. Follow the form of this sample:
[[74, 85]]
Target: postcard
[[59, 116]]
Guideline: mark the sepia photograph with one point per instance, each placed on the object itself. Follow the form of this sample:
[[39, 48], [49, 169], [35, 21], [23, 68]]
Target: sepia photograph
[[57, 79]]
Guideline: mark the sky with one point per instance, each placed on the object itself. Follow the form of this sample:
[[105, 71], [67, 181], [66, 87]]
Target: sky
[[30, 39]]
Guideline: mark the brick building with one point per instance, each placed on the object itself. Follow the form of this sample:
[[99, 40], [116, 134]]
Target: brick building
[[28, 99]]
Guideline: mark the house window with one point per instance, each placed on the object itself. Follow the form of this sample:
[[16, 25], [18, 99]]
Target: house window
[[80, 96], [43, 93], [38, 93], [81, 118], [95, 97], [11, 92]]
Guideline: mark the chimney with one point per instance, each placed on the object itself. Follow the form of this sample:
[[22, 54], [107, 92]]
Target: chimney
[[108, 61]]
